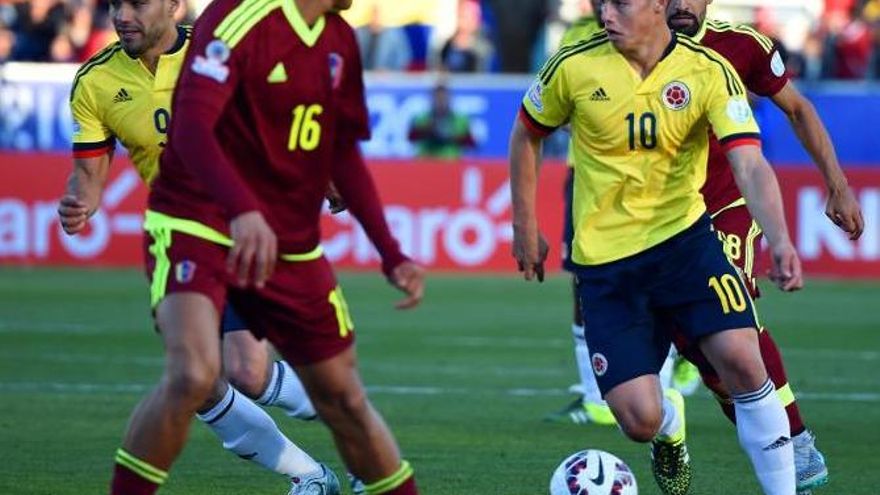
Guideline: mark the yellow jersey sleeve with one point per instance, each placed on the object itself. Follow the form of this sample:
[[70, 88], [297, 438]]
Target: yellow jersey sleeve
[[728, 107], [548, 103], [90, 136]]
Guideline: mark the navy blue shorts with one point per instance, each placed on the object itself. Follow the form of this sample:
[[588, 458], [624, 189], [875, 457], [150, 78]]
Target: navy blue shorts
[[685, 282], [231, 322], [568, 225]]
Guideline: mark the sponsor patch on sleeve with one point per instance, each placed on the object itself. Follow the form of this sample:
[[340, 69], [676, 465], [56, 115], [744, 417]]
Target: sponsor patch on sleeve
[[213, 63], [738, 110], [535, 96], [777, 65]]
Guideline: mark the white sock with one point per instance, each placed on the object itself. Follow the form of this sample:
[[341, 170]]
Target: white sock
[[585, 366], [763, 430], [668, 366], [287, 392], [671, 421], [247, 431]]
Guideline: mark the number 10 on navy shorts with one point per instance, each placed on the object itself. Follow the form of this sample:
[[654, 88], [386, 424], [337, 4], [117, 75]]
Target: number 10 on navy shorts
[[630, 305]]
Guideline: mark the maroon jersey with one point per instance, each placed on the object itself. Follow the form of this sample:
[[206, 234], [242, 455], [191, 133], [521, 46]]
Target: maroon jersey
[[760, 66], [263, 108]]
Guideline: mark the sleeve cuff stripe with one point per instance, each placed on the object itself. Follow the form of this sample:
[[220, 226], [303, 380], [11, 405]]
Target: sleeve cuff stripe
[[742, 141], [737, 137], [533, 125], [107, 143], [91, 153]]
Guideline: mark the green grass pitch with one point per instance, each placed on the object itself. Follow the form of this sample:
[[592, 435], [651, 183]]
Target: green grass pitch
[[464, 382]]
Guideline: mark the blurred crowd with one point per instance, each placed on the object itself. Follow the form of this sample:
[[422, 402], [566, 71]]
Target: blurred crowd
[[822, 39]]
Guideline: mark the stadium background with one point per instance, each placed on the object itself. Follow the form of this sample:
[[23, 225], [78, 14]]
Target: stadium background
[[73, 313]]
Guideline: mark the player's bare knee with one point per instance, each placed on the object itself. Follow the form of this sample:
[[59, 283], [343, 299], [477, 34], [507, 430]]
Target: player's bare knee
[[638, 427], [191, 385]]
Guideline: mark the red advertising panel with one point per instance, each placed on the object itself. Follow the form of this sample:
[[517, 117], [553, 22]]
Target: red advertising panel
[[449, 216], [30, 185]]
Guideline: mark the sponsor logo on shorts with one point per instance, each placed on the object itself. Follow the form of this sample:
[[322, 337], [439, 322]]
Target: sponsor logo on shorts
[[185, 271], [676, 95], [600, 364]]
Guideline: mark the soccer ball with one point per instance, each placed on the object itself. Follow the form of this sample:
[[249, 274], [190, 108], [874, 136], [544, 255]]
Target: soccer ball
[[593, 472]]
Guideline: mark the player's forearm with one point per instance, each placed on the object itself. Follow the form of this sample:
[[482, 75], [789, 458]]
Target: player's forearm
[[764, 200], [525, 152], [814, 137], [86, 181], [354, 182], [192, 135]]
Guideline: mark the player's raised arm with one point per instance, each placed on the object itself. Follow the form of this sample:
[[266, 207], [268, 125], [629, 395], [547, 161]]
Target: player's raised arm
[[842, 207]]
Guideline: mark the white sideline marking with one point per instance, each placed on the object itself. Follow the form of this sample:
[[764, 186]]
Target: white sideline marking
[[65, 328], [83, 358], [132, 388], [374, 366], [60, 328]]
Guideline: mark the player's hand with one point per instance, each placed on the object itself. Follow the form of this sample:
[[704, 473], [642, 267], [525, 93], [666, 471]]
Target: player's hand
[[254, 250], [409, 277], [530, 251], [337, 202], [844, 210], [73, 214], [786, 269]]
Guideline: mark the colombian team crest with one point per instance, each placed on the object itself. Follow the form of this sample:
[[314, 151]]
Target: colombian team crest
[[600, 364], [676, 95], [336, 65]]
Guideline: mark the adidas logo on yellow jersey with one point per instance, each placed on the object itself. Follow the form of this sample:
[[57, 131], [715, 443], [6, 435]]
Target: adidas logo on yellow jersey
[[599, 95], [121, 96]]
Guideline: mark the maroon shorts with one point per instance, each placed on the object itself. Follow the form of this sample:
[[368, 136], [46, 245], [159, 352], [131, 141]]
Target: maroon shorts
[[301, 310]]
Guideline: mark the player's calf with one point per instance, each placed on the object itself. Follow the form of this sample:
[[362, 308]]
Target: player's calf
[[246, 362]]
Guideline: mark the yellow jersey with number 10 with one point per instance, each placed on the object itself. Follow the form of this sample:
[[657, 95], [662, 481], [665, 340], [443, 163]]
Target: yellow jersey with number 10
[[640, 145], [116, 97]]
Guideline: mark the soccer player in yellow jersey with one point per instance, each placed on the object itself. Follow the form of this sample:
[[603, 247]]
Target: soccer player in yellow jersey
[[124, 93], [640, 101]]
